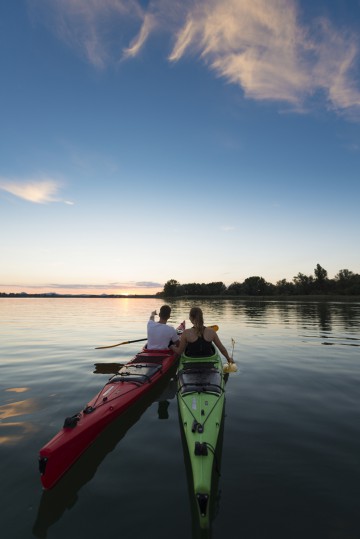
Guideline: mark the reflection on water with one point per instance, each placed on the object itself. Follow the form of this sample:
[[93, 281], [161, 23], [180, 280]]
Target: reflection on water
[[107, 368], [345, 316], [12, 432], [14, 409], [331, 319]]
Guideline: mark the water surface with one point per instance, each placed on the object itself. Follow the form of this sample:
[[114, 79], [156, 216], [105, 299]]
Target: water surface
[[290, 464]]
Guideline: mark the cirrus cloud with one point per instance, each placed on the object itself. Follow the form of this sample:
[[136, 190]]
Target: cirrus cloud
[[265, 48], [262, 47], [37, 191]]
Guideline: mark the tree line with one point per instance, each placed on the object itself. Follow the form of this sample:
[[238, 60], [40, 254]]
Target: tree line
[[345, 282]]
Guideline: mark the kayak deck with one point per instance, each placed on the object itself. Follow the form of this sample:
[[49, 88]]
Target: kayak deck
[[79, 431], [201, 399]]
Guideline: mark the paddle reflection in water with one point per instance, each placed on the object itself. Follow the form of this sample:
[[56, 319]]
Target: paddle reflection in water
[[108, 368], [64, 494]]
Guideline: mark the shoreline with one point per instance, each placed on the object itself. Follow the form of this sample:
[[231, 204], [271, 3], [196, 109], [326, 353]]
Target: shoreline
[[310, 297]]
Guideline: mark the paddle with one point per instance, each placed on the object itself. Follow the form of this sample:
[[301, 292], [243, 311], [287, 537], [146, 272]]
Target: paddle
[[119, 344], [231, 367], [215, 328]]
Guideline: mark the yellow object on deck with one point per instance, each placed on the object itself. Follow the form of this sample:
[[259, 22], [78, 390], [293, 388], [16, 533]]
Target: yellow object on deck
[[230, 367]]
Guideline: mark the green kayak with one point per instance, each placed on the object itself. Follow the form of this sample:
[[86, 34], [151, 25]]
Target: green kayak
[[201, 399]]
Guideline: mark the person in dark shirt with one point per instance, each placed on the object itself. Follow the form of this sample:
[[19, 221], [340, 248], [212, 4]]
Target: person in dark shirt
[[199, 340]]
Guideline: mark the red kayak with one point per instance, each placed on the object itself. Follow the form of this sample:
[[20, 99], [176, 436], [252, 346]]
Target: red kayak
[[133, 380]]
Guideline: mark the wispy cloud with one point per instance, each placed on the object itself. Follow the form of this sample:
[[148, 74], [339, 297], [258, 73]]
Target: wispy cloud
[[264, 47], [95, 28], [227, 228], [138, 42], [147, 284], [37, 191]]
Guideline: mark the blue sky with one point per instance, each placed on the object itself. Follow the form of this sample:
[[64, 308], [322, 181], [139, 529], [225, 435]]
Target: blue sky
[[202, 141]]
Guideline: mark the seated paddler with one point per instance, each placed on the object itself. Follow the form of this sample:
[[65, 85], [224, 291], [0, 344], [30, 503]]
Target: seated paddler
[[199, 340], [160, 335]]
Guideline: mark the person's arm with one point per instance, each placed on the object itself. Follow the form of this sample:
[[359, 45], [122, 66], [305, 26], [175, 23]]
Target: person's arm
[[175, 339], [182, 345], [222, 348], [152, 316]]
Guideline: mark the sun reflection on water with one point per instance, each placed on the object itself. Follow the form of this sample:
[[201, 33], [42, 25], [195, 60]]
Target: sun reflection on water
[[13, 431]]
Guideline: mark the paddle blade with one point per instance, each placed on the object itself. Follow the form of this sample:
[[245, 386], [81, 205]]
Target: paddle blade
[[181, 327]]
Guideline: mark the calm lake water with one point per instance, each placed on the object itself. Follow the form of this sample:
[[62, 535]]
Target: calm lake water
[[290, 460]]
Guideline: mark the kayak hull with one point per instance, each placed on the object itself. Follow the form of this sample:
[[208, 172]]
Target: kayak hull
[[134, 381], [201, 399]]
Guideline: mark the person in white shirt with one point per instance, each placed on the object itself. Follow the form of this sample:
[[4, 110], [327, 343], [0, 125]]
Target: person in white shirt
[[159, 334]]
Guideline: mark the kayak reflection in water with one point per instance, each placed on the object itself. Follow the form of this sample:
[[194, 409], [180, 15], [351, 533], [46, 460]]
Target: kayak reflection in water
[[168, 394]]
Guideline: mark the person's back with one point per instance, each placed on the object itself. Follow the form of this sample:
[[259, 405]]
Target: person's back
[[199, 340], [159, 334], [200, 347]]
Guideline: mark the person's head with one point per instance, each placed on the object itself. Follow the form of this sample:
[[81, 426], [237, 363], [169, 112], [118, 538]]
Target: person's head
[[165, 312], [197, 319]]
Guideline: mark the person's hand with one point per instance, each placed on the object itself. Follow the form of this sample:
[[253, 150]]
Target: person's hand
[[153, 313]]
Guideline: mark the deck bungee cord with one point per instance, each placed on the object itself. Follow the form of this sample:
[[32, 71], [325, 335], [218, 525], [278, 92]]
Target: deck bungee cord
[[198, 424]]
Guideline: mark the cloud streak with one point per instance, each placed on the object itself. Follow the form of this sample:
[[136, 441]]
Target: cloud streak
[[95, 28], [263, 47], [138, 42], [36, 191]]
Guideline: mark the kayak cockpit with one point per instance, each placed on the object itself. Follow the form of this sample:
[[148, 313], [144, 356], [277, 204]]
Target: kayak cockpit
[[200, 377], [136, 372]]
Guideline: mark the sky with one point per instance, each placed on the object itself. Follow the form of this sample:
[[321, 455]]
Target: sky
[[202, 141]]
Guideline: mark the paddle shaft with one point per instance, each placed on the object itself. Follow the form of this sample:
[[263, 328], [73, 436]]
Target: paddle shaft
[[215, 328], [120, 343]]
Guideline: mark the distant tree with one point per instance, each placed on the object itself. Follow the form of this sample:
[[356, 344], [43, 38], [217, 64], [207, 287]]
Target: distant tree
[[255, 286], [344, 275], [320, 274], [235, 289], [192, 289], [347, 282], [216, 288], [303, 283], [321, 281], [204, 289], [285, 287], [171, 288]]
